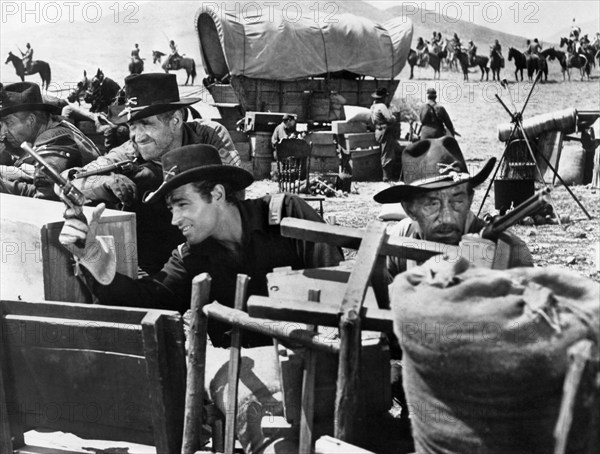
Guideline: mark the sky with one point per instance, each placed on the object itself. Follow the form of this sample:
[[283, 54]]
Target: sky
[[541, 19]]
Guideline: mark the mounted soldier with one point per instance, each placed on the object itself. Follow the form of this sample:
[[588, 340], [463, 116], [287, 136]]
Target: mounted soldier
[[497, 47], [173, 58], [27, 57], [472, 51]]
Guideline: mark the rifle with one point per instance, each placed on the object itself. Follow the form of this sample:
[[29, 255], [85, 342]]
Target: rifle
[[123, 167], [498, 224], [69, 194]]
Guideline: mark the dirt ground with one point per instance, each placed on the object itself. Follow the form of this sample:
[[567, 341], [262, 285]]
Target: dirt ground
[[476, 114]]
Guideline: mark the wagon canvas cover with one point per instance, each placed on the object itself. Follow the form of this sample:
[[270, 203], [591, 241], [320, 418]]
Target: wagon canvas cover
[[279, 45]]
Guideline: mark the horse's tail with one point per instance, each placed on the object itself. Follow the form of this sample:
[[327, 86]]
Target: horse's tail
[[193, 69], [49, 77]]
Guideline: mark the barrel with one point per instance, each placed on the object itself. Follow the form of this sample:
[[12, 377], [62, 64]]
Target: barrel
[[571, 165], [262, 156]]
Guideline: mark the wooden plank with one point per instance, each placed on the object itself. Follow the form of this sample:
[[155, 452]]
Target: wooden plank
[[267, 327], [330, 445], [347, 404], [31, 331], [125, 315], [233, 372], [5, 433], [262, 307], [194, 395], [349, 237], [156, 367], [308, 390]]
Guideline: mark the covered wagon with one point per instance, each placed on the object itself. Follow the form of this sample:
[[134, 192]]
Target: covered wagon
[[309, 65]]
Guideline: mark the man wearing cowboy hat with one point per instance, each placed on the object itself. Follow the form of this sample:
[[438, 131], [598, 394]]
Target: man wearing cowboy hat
[[156, 117], [387, 131], [223, 237], [436, 194], [26, 117], [434, 118]]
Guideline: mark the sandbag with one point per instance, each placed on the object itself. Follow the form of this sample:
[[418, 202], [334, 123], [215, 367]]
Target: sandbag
[[485, 353], [358, 114]]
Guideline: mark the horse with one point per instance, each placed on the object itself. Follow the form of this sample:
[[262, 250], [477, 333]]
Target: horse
[[466, 63], [136, 66], [183, 63], [574, 59], [495, 63], [37, 66], [103, 92], [157, 56], [412, 61], [448, 55], [520, 61], [78, 92]]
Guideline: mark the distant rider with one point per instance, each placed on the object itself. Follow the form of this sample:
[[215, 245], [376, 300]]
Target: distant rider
[[174, 58], [497, 47], [27, 57], [472, 51]]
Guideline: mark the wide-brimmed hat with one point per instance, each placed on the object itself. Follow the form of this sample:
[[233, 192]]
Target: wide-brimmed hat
[[198, 162], [151, 94], [380, 93], [432, 164], [22, 97]]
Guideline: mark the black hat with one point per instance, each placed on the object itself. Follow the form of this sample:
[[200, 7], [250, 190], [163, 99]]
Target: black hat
[[431, 92], [151, 94], [380, 93], [197, 163], [23, 96], [432, 164], [287, 117]]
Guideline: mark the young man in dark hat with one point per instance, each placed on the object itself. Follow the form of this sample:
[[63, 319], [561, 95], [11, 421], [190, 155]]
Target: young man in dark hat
[[434, 118], [284, 130], [387, 131], [156, 117], [26, 117], [437, 194], [223, 237]]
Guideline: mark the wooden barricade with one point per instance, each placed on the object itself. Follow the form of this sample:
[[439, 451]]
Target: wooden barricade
[[99, 372]]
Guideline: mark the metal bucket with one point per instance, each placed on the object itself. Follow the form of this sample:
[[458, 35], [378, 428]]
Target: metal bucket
[[510, 193]]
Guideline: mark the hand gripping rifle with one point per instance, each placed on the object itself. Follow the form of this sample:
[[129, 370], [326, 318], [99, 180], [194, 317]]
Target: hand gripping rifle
[[124, 167], [69, 194]]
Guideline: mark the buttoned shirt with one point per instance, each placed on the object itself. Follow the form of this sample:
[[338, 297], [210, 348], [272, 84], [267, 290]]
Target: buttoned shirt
[[262, 249]]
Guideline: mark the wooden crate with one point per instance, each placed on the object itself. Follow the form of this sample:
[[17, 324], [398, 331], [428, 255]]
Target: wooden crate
[[360, 140], [35, 266], [98, 372], [366, 164], [347, 127]]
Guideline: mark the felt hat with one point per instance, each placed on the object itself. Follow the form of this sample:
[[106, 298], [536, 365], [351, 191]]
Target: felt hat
[[197, 162], [287, 117], [22, 97], [151, 94], [431, 92], [380, 93], [432, 164]]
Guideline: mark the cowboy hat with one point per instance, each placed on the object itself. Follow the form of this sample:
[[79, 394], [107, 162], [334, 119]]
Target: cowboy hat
[[197, 162], [151, 94], [380, 93], [24, 97], [432, 164]]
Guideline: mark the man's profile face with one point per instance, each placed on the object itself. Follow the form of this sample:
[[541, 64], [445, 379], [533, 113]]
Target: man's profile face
[[152, 137], [442, 214], [15, 131], [196, 217]]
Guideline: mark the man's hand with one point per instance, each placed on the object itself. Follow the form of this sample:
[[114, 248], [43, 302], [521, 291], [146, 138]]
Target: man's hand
[[76, 232], [12, 173]]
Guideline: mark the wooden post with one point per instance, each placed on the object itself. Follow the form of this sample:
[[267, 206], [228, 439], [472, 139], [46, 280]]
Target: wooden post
[[5, 435], [347, 390], [194, 391], [233, 373], [307, 406]]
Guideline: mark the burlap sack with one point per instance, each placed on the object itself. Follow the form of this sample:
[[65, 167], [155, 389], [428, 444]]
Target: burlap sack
[[485, 352]]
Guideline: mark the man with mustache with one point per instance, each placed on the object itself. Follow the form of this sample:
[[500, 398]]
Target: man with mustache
[[437, 194], [157, 121]]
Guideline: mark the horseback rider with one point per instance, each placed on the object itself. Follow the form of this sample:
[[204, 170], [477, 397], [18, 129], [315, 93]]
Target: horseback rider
[[533, 49], [27, 57], [497, 47], [456, 40], [421, 46], [472, 52], [135, 53], [174, 58], [575, 31]]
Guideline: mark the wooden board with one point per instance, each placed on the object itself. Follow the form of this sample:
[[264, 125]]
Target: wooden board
[[360, 140], [93, 377], [35, 266]]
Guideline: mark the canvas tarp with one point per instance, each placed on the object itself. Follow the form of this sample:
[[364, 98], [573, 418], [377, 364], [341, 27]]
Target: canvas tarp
[[270, 45]]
